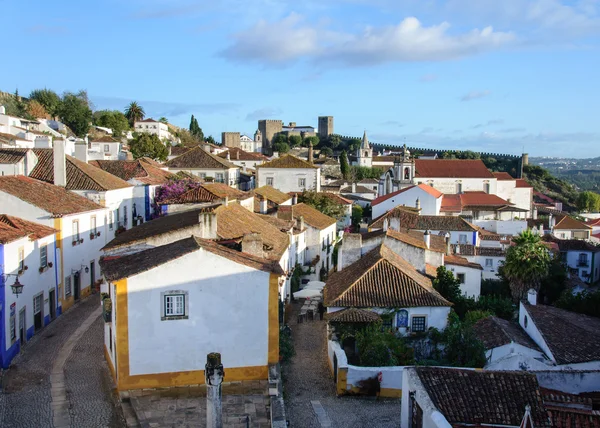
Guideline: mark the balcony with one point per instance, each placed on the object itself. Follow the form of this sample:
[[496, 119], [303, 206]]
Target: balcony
[[583, 263]]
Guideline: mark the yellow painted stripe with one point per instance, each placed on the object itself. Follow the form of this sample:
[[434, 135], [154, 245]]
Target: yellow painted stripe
[[273, 356]]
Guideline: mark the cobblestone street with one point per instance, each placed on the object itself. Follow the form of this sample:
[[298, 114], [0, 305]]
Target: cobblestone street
[[29, 385], [309, 389]]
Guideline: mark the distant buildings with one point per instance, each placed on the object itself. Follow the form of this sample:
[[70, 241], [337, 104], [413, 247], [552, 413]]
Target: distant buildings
[[289, 174], [151, 126]]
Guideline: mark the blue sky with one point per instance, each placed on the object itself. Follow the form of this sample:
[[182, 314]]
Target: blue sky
[[467, 74]]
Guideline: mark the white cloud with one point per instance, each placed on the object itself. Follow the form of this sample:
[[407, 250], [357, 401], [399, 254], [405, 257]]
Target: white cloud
[[263, 113], [473, 95], [292, 38]]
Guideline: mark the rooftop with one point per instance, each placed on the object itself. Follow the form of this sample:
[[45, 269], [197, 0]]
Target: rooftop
[[451, 168], [53, 199], [381, 278], [143, 170], [430, 190], [569, 223], [105, 139], [461, 261], [287, 161], [198, 158], [235, 153], [495, 332], [353, 315], [410, 219], [12, 156], [312, 216], [272, 194], [13, 228]]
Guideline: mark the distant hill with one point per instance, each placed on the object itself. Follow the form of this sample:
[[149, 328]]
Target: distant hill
[[584, 174]]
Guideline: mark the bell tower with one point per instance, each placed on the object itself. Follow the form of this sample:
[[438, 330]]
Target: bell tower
[[364, 153]]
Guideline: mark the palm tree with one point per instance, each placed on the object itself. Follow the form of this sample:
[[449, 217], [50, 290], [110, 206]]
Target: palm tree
[[527, 264], [134, 113], [163, 120]]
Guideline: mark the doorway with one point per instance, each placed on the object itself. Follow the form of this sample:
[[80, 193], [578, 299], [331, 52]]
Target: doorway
[[38, 312], [76, 285], [52, 304], [92, 273], [22, 327]]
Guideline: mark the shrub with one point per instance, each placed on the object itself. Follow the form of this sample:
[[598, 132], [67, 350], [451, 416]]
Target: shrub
[[495, 287], [380, 349], [286, 345], [586, 302]]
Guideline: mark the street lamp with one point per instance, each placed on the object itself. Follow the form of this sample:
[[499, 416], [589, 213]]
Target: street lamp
[[17, 287]]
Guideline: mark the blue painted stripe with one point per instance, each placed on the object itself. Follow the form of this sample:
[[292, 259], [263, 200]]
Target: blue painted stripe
[[474, 238], [147, 202], [47, 320], [30, 332], [4, 355], [11, 353]]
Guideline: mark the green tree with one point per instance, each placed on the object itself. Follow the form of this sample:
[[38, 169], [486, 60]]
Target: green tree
[[447, 285], [357, 216], [295, 140], [334, 141], [344, 166], [134, 113], [379, 348], [588, 202], [323, 203], [21, 107], [360, 172], [462, 348], [163, 120], [311, 141], [195, 129], [326, 151], [112, 119], [75, 112], [555, 283], [187, 139], [210, 140], [281, 148], [47, 98], [587, 302], [527, 264], [148, 145]]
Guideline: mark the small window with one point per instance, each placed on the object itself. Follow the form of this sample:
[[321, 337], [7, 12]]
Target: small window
[[110, 220], [386, 324], [525, 321], [117, 218], [486, 187], [68, 286], [125, 216], [269, 181], [419, 324], [21, 259], [202, 175], [219, 178], [302, 182], [460, 277], [107, 147], [43, 256], [93, 228], [13, 328], [489, 263], [462, 239], [174, 305], [75, 230]]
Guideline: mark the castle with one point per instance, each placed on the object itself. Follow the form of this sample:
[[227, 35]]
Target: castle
[[270, 128]]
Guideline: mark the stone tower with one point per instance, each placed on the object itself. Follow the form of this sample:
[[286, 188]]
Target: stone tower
[[268, 129], [404, 170], [364, 154], [325, 126], [231, 139], [258, 141]]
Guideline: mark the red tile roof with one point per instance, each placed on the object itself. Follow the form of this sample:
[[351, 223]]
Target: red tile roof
[[12, 156], [287, 161], [353, 315], [520, 183], [503, 176], [105, 139], [54, 199], [461, 261], [481, 199], [451, 203], [12, 228], [200, 159], [143, 170], [569, 223], [593, 222], [451, 168]]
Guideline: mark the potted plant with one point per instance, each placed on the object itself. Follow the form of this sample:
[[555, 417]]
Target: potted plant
[[97, 233], [49, 264], [107, 309], [92, 235]]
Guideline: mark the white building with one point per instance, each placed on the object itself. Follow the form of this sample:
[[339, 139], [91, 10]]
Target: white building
[[27, 254], [423, 197], [207, 166], [206, 298], [289, 174], [17, 161], [81, 227], [242, 158], [151, 126], [468, 274], [364, 154], [104, 148]]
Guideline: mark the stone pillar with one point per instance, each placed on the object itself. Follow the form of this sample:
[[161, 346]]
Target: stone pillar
[[214, 375]]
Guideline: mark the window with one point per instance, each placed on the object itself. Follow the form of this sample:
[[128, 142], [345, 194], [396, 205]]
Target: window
[[418, 323], [486, 187], [269, 181], [525, 321], [202, 175], [107, 147], [93, 228], [458, 187], [110, 220], [117, 217], [406, 173], [489, 263], [13, 326], [125, 216], [460, 277], [583, 260], [462, 238], [75, 230], [174, 305], [68, 286], [43, 256], [21, 259], [302, 182], [219, 178], [386, 324]]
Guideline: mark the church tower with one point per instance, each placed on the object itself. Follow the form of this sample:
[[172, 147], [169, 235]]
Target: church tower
[[258, 141], [364, 154], [404, 170]]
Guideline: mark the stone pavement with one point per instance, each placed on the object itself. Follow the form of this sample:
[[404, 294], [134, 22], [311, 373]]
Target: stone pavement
[[244, 404], [34, 391], [309, 391]]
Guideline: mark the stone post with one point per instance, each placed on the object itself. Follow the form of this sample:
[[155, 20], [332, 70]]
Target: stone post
[[214, 375]]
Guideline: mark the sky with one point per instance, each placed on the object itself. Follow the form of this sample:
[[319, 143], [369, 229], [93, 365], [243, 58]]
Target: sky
[[485, 75]]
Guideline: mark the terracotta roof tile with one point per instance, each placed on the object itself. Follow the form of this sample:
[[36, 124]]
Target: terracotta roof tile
[[494, 332], [105, 139], [336, 198], [223, 190], [520, 183], [461, 261], [54, 199], [237, 154], [312, 216], [472, 397], [383, 279], [199, 158], [572, 337], [12, 156], [451, 203], [80, 175], [471, 250], [179, 150], [287, 161], [353, 315], [409, 219], [271, 194], [481, 199], [142, 170], [569, 223], [357, 189], [503, 175], [12, 228], [451, 168], [11, 137], [417, 239]]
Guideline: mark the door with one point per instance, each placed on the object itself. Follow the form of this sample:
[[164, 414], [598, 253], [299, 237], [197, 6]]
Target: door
[[52, 304], [38, 313], [22, 327], [76, 285], [92, 273]]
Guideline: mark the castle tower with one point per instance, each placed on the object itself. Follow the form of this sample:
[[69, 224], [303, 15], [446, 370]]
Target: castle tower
[[365, 153], [268, 129], [404, 170], [325, 126], [231, 139]]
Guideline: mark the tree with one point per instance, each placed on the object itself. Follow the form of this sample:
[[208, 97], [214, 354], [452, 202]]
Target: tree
[[361, 172], [134, 113], [323, 203], [148, 145], [48, 99], [447, 285], [112, 119], [326, 151], [186, 138], [295, 140], [462, 348], [357, 216], [588, 202], [555, 283], [281, 148], [344, 166], [587, 302], [311, 141], [334, 141], [163, 120], [210, 140], [35, 109], [527, 263], [195, 129], [21, 107], [75, 112]]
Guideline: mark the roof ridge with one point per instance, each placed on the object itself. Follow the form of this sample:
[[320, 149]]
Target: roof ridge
[[376, 249], [70, 159]]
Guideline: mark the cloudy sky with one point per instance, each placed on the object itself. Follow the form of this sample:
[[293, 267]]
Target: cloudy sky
[[488, 75]]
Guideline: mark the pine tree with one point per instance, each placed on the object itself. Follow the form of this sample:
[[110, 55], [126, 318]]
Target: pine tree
[[192, 122], [344, 167]]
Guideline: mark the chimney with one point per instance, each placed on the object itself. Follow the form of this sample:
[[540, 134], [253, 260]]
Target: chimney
[[418, 204], [448, 246], [252, 244], [534, 213], [206, 148], [263, 204], [550, 222], [386, 224], [457, 249], [310, 153], [350, 251], [427, 238], [208, 224], [81, 152], [354, 187], [300, 222], [60, 163], [532, 297], [294, 199], [237, 155], [2, 110], [225, 201], [228, 155]]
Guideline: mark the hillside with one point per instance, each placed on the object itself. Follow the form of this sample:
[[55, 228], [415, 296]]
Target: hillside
[[543, 181]]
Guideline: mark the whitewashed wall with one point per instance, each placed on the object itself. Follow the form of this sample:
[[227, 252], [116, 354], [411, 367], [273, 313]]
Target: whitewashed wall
[[287, 179], [429, 204], [472, 285], [448, 185]]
